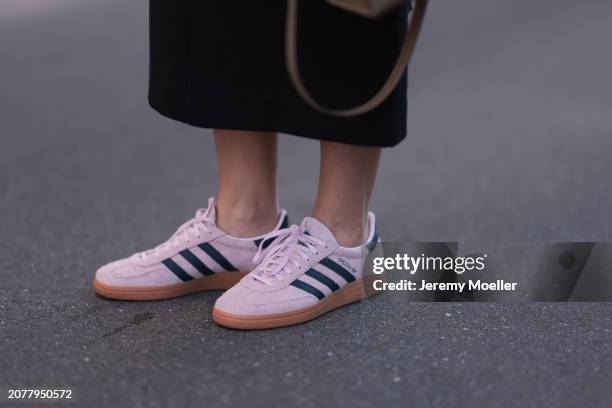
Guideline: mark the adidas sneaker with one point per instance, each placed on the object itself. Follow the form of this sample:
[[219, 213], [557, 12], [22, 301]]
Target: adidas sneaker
[[198, 257], [304, 274]]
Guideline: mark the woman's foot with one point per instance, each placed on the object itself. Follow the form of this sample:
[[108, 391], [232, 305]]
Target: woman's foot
[[304, 274], [198, 257]]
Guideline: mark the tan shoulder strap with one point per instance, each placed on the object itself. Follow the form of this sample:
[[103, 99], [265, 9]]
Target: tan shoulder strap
[[396, 74]]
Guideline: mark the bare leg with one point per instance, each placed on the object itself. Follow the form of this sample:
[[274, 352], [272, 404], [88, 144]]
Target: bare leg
[[247, 203], [346, 181]]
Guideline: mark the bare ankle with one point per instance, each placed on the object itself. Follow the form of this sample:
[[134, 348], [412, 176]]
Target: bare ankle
[[348, 232], [243, 221]]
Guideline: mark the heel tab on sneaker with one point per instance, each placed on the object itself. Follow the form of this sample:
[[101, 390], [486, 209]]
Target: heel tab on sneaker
[[372, 233], [283, 219]]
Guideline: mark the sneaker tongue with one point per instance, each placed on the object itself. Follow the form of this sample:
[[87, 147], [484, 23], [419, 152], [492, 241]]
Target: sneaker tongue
[[317, 229]]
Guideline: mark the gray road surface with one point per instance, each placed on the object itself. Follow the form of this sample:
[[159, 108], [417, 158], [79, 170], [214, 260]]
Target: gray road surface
[[510, 139]]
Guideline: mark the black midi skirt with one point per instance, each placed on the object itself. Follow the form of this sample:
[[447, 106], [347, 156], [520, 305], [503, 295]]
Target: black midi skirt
[[221, 64]]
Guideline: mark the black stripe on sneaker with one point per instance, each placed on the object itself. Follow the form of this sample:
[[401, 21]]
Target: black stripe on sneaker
[[346, 275], [308, 288], [314, 274], [266, 243], [196, 262], [285, 222], [370, 245], [216, 255], [177, 270]]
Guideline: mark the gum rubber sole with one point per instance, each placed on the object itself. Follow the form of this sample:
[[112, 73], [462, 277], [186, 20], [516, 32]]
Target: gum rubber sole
[[351, 293], [220, 281]]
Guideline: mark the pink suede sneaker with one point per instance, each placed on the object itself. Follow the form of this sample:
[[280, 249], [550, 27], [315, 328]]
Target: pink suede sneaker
[[304, 274], [198, 257]]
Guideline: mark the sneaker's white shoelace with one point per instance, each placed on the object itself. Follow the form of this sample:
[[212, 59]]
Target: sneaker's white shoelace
[[292, 247], [201, 224]]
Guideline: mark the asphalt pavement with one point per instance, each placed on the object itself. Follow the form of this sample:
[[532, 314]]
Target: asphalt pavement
[[510, 139]]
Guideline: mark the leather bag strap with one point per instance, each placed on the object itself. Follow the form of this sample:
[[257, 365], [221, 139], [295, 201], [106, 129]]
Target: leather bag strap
[[394, 77]]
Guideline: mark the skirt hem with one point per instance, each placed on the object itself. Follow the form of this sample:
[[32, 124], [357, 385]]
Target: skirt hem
[[175, 105]]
